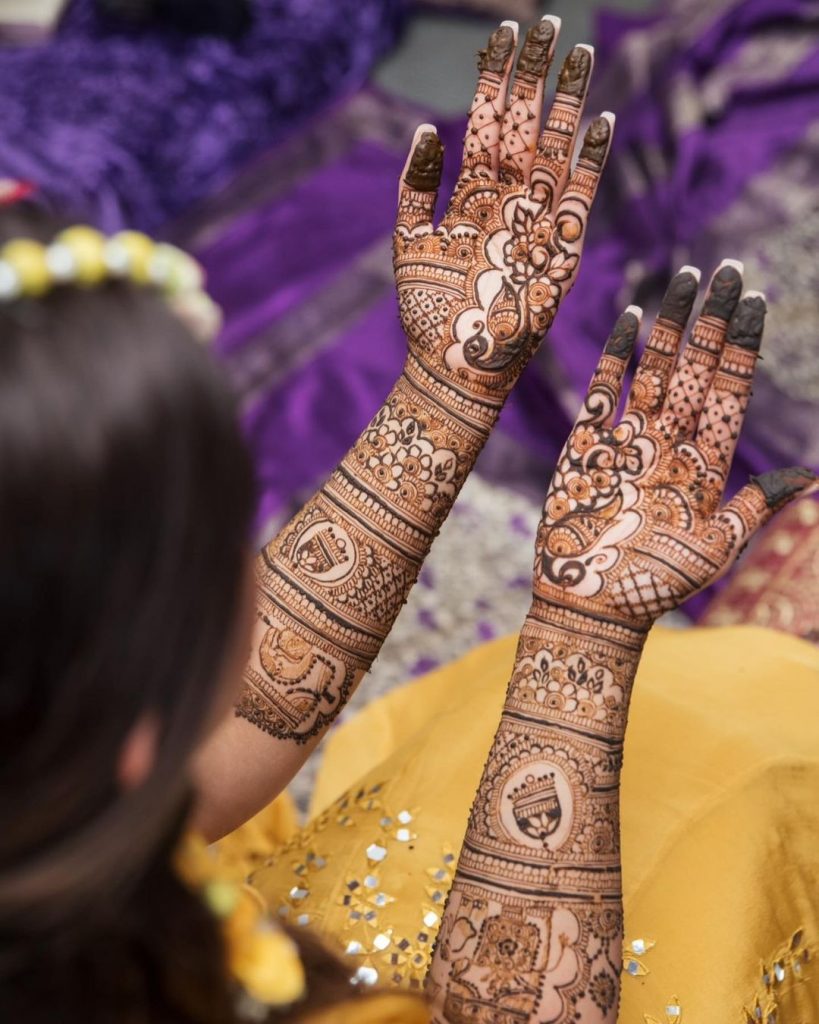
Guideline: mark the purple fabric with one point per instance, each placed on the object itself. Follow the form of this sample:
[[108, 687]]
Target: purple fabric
[[131, 128]]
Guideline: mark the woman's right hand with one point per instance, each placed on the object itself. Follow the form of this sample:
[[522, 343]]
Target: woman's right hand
[[478, 293], [634, 522]]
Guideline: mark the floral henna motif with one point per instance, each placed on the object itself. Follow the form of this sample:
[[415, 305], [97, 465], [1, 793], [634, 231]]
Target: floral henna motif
[[417, 453], [659, 359]]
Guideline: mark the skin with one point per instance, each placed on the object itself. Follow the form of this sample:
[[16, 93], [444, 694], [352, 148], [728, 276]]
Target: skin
[[633, 523], [476, 295]]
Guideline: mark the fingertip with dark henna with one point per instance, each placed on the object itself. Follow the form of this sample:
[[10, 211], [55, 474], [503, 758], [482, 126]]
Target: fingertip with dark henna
[[748, 322], [574, 74], [596, 142], [679, 297], [537, 49], [723, 295], [780, 485], [426, 163], [498, 50], [623, 336]]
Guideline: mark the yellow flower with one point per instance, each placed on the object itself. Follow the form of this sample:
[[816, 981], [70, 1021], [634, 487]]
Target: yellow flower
[[266, 963], [261, 957]]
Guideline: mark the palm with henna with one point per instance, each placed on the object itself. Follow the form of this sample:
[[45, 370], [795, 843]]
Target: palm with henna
[[478, 292], [632, 525], [634, 522]]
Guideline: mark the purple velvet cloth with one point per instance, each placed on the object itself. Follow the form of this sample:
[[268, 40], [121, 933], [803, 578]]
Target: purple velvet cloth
[[131, 128]]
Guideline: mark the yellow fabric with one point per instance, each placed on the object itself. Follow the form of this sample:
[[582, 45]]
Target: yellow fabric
[[383, 1009], [719, 808], [241, 852]]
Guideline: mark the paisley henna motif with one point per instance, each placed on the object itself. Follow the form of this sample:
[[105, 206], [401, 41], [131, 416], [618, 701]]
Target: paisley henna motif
[[631, 526]]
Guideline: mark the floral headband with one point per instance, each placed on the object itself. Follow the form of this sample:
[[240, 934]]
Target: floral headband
[[83, 257]]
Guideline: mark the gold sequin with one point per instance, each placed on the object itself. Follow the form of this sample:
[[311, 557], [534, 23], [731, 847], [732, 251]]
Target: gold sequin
[[779, 972], [673, 1013], [633, 952]]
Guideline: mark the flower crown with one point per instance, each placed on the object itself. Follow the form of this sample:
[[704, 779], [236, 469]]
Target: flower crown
[[84, 257]]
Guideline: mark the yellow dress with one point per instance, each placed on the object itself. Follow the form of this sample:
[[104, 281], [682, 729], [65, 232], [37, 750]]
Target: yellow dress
[[720, 817]]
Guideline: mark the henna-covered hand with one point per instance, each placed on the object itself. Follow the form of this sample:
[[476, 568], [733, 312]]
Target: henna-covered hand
[[478, 292], [634, 523]]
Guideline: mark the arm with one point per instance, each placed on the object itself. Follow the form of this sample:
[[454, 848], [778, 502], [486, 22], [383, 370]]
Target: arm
[[632, 525], [476, 296]]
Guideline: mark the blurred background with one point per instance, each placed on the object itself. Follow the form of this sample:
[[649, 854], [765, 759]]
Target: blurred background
[[267, 137]]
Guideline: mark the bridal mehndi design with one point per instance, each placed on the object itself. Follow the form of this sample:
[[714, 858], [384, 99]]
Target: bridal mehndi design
[[476, 296], [632, 525]]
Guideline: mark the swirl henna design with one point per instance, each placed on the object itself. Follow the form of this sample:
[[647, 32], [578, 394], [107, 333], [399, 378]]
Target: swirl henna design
[[532, 930], [477, 293]]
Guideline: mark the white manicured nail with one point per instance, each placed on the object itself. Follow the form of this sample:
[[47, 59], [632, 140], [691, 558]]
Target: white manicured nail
[[753, 295], [694, 271], [585, 46], [557, 22], [635, 310], [513, 25], [736, 264]]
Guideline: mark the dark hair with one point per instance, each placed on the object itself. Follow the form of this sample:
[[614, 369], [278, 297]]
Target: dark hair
[[126, 500]]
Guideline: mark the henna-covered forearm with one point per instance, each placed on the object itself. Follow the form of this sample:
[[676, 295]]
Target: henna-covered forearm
[[332, 582], [532, 930]]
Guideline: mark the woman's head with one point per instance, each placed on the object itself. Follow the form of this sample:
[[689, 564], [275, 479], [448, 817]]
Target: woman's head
[[125, 507]]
